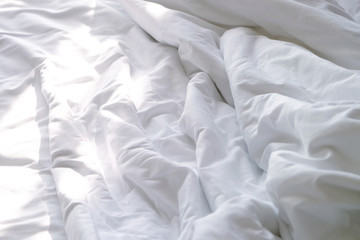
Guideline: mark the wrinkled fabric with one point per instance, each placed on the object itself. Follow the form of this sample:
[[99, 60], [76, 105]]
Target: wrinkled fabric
[[136, 119]]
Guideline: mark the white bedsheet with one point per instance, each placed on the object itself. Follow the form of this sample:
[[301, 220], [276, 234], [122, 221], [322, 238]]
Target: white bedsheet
[[169, 119]]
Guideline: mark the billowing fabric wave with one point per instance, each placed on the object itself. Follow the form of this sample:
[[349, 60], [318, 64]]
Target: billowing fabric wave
[[188, 120]]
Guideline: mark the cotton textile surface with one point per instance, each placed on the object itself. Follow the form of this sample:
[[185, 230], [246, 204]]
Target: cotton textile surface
[[180, 119]]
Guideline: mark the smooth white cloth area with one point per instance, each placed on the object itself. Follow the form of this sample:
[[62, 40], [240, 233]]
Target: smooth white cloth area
[[180, 119]]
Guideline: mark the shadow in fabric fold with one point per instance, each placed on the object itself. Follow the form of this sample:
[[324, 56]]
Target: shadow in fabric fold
[[56, 227]]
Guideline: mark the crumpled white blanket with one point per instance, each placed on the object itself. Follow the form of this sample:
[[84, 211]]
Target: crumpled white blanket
[[169, 119]]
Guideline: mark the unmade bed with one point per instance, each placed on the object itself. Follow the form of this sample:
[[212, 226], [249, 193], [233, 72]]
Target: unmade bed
[[180, 119]]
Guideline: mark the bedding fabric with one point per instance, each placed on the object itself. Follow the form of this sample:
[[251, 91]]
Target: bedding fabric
[[169, 119]]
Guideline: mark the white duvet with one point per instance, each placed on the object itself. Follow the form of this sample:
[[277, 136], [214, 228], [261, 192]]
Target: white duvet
[[169, 119]]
